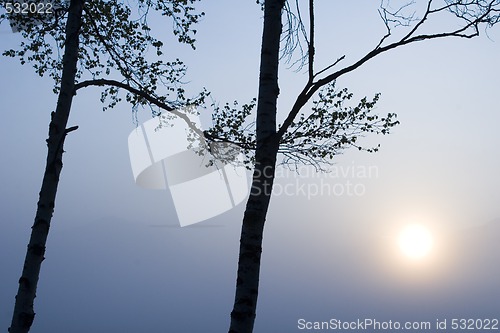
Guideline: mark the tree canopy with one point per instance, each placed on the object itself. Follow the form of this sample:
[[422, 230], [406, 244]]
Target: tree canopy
[[117, 44]]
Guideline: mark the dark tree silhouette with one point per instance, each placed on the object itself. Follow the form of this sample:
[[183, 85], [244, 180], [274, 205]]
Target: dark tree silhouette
[[100, 39], [330, 126]]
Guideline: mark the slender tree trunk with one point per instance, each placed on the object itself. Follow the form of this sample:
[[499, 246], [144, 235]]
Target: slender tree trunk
[[24, 314], [247, 283]]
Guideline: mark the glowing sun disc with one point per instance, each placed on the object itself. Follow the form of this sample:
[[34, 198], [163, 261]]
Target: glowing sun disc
[[415, 241]]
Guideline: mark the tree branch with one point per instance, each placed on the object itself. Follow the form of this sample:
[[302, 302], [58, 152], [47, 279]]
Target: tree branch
[[330, 66], [483, 17], [126, 72], [118, 84], [151, 99]]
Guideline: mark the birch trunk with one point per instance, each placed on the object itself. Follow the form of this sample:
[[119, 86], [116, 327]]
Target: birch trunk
[[247, 283], [24, 314]]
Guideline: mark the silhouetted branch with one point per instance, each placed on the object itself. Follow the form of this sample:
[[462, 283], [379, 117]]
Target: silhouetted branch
[[144, 95], [291, 37], [70, 129], [330, 66], [118, 84], [472, 12]]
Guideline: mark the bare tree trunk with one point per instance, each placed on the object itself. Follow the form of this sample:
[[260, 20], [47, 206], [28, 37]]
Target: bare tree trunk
[[24, 314], [247, 283]]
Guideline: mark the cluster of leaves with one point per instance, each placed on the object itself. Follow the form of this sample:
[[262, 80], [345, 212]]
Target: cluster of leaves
[[212, 151], [331, 127], [183, 14], [231, 124], [114, 42]]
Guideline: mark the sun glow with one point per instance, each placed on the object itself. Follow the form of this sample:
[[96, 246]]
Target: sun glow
[[415, 241]]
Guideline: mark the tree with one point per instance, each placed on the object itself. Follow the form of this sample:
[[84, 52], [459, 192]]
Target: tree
[[104, 38], [330, 126]]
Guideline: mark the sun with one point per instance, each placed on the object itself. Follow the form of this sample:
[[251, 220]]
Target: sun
[[415, 241]]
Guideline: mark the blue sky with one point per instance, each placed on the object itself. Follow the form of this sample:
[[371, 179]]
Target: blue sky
[[118, 262]]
